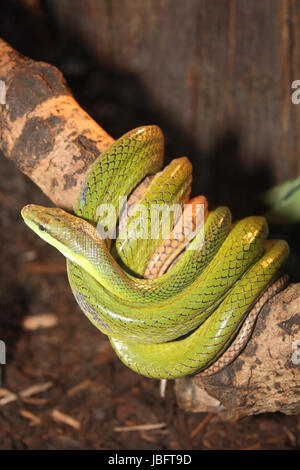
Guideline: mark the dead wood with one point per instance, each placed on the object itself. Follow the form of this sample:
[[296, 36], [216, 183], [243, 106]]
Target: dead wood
[[266, 375], [43, 130], [52, 140]]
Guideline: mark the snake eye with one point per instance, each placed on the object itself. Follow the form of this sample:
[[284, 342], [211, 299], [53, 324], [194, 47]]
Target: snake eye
[[42, 227]]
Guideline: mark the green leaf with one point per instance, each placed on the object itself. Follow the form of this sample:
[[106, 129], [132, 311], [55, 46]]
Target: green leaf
[[283, 202]]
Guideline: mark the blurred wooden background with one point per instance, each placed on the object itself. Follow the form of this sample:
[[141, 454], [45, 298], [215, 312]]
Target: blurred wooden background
[[218, 71], [216, 75]]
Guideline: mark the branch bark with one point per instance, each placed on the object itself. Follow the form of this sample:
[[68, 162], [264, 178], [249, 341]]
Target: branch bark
[[43, 130], [53, 140], [265, 377]]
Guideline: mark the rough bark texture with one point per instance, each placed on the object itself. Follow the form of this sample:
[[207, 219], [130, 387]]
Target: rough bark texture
[[266, 375], [52, 140], [43, 130]]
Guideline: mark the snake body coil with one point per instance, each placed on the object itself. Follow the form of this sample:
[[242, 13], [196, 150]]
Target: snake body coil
[[182, 321]]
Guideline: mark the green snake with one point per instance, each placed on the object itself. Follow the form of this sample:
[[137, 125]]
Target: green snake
[[186, 319]]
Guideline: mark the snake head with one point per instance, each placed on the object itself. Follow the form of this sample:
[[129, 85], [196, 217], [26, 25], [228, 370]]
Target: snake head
[[74, 237], [45, 221], [56, 226]]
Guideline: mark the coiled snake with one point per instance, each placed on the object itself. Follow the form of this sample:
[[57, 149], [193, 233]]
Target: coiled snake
[[184, 320]]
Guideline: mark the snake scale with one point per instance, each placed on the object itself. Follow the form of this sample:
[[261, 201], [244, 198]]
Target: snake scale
[[170, 306]]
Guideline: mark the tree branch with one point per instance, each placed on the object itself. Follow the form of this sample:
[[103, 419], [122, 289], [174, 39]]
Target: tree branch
[[265, 377], [43, 130], [53, 140]]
